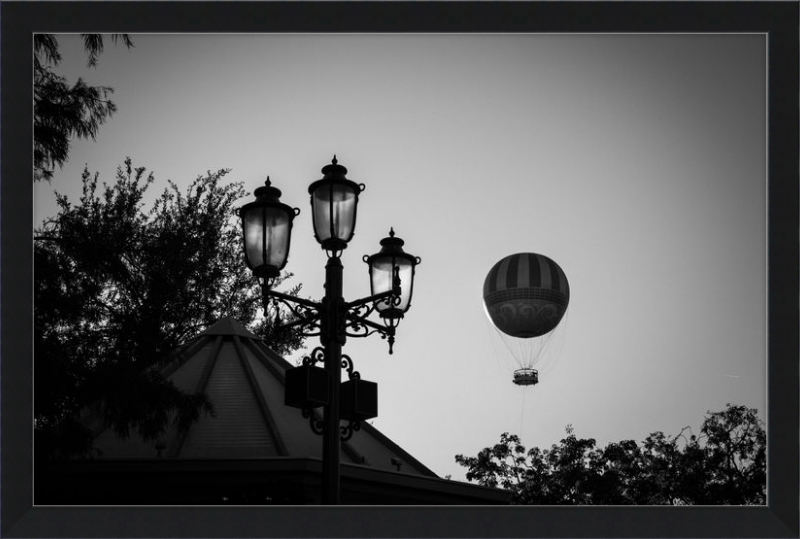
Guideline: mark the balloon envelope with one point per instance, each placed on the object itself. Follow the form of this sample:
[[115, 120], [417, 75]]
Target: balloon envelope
[[526, 295]]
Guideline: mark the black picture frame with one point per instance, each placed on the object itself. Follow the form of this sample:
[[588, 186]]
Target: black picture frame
[[19, 20]]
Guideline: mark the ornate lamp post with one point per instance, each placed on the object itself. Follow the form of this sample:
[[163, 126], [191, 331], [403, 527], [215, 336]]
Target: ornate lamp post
[[266, 227]]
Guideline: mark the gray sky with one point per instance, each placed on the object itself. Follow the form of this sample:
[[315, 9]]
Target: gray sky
[[636, 162]]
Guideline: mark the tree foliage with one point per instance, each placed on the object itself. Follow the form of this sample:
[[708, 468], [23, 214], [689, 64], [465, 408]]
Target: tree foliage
[[725, 464], [118, 289], [62, 111]]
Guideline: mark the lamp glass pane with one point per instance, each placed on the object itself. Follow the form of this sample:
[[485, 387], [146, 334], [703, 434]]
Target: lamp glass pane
[[382, 280], [266, 236], [381, 276], [344, 211]]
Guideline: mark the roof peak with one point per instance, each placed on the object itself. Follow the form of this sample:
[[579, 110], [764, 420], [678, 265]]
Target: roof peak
[[229, 326]]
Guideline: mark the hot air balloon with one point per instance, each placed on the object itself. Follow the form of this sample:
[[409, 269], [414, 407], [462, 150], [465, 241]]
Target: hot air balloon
[[525, 296]]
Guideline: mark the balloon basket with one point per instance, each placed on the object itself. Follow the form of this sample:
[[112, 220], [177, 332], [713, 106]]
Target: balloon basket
[[526, 377]]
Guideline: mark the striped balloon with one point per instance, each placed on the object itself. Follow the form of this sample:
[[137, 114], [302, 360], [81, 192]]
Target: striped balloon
[[526, 295]]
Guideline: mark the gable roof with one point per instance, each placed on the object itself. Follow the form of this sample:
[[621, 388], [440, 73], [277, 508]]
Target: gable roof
[[244, 380]]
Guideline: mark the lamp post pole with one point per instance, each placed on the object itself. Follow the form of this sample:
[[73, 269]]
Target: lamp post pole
[[266, 228], [333, 340]]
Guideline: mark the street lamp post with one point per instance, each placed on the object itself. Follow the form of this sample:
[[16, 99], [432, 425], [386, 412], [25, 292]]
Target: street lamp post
[[266, 227]]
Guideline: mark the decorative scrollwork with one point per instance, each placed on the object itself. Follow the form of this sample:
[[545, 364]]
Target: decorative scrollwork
[[305, 313], [300, 311], [359, 330], [306, 317], [347, 363], [317, 425], [348, 430], [363, 311], [359, 326], [317, 356]]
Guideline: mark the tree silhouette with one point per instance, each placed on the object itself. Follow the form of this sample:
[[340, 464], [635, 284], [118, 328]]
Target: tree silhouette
[[60, 111], [724, 465], [118, 289]]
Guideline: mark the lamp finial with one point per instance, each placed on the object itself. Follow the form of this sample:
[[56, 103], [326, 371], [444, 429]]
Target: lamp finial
[[334, 159]]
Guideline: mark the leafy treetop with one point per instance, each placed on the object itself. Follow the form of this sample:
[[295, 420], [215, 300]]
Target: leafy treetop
[[725, 464], [62, 111], [118, 289]]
